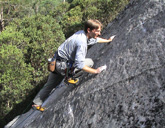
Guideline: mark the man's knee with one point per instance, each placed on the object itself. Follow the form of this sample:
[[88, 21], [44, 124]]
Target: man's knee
[[89, 62]]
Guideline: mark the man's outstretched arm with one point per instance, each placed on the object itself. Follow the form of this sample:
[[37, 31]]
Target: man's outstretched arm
[[91, 70], [102, 40]]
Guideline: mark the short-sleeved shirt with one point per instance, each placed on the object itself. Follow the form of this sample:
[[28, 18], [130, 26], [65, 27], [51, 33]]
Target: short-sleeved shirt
[[74, 49]]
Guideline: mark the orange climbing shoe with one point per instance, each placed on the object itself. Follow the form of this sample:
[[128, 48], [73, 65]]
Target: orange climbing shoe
[[73, 81], [38, 107]]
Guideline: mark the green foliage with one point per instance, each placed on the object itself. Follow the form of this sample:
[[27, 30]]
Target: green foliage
[[15, 78], [109, 9], [79, 11], [11, 36], [25, 47], [13, 9], [72, 21], [60, 11], [47, 6], [43, 36]]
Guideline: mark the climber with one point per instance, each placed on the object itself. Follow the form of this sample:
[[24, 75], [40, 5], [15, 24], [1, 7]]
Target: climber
[[73, 51]]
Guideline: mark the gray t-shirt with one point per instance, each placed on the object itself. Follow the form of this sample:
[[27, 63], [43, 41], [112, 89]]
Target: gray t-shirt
[[75, 48]]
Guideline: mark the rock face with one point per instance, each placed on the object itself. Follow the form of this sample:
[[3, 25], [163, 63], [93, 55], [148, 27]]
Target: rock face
[[130, 93]]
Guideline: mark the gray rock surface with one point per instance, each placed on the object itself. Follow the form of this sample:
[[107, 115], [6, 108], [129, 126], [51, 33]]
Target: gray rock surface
[[130, 93]]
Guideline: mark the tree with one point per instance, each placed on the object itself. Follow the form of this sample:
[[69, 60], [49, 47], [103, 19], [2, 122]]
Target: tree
[[1, 20], [72, 21], [25, 46], [15, 78], [73, 13], [38, 37]]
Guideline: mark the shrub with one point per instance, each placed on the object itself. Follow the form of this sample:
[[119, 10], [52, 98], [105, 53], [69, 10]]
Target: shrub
[[15, 78]]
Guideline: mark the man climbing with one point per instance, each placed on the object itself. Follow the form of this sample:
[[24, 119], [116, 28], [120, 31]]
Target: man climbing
[[73, 52]]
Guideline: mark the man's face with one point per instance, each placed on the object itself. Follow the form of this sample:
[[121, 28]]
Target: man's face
[[94, 33]]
